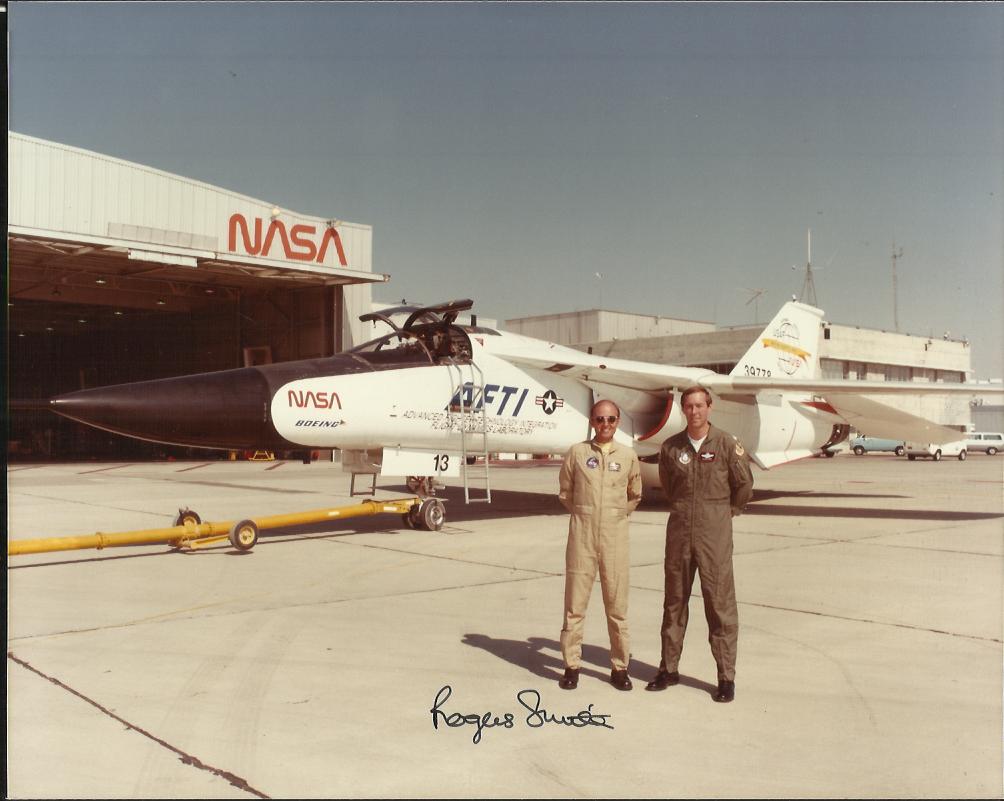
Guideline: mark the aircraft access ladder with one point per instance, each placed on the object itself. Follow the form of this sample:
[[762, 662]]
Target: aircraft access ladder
[[473, 432]]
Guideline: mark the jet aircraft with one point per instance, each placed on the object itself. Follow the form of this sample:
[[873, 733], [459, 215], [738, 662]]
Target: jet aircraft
[[430, 395]]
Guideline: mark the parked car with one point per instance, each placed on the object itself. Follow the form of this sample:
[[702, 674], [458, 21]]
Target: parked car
[[863, 445], [989, 441], [931, 451]]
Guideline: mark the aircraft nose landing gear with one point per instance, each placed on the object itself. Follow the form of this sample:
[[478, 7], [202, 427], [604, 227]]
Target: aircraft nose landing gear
[[429, 515], [422, 486]]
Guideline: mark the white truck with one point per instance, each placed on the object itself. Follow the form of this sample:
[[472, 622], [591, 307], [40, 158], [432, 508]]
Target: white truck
[[927, 450]]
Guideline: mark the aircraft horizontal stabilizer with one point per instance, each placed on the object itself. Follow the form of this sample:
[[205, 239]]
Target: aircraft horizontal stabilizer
[[877, 419]]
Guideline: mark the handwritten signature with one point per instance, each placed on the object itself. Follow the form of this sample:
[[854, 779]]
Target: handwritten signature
[[530, 700]]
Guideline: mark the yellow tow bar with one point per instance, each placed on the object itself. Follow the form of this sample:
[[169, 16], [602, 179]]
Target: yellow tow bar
[[190, 532]]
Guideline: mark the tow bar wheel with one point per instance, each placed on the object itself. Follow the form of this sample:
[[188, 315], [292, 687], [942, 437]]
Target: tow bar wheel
[[186, 516], [244, 535]]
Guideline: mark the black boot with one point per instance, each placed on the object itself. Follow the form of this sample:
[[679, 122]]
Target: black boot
[[726, 691], [570, 680]]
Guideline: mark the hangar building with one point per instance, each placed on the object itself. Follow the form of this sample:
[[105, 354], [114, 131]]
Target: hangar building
[[119, 272]]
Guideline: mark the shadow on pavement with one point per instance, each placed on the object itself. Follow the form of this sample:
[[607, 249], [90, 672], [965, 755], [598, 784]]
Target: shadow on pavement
[[542, 657]]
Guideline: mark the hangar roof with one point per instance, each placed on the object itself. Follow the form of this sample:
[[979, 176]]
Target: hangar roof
[[98, 230]]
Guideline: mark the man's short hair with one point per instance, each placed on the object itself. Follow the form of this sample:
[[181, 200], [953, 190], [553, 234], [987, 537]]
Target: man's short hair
[[692, 390]]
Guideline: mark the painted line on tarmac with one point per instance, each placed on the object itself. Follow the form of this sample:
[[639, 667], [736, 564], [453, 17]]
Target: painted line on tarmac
[[103, 469], [196, 467], [187, 759], [273, 467]]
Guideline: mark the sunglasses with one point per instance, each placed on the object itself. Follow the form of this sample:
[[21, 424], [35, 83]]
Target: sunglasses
[[601, 419]]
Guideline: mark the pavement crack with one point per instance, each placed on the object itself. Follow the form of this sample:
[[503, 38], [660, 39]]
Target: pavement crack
[[848, 618], [92, 505], [185, 758]]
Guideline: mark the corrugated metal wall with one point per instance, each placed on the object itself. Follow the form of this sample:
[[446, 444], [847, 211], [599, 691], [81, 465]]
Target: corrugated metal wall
[[54, 187]]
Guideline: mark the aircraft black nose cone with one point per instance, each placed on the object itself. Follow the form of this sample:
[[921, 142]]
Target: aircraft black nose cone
[[229, 409]]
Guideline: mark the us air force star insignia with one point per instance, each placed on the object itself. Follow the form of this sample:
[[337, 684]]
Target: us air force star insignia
[[549, 401], [592, 462], [684, 458]]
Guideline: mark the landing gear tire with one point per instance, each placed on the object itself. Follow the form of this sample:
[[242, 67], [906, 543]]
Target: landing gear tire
[[244, 535], [431, 515], [186, 516], [900, 450]]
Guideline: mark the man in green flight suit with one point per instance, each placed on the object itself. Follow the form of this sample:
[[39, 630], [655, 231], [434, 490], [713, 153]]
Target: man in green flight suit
[[706, 475]]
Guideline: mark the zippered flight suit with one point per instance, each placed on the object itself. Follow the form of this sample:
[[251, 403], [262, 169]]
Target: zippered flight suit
[[706, 489], [600, 490]]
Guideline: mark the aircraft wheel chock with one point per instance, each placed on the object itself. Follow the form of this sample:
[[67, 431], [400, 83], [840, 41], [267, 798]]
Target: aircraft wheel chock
[[186, 516], [244, 535], [432, 514]]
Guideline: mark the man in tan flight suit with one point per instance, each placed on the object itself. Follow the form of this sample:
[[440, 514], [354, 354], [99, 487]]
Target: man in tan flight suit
[[706, 475], [600, 485]]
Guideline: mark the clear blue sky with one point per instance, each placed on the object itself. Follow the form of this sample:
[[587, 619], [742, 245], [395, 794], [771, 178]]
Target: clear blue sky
[[509, 152]]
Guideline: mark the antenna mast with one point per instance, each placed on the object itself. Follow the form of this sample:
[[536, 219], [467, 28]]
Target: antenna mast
[[896, 255], [808, 285]]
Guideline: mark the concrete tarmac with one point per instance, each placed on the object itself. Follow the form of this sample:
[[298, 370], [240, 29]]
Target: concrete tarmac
[[870, 651]]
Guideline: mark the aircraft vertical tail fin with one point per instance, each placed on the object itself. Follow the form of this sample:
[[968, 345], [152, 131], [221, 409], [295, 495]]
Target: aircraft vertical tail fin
[[788, 347]]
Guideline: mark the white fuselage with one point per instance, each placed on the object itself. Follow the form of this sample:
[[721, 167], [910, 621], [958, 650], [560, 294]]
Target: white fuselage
[[521, 409]]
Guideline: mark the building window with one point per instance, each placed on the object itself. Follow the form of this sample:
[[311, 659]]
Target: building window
[[831, 368], [896, 372]]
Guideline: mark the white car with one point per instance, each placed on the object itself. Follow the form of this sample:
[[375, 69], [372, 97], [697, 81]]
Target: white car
[[989, 441], [931, 451]]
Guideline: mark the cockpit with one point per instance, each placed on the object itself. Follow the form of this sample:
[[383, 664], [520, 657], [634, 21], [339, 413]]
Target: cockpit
[[429, 336]]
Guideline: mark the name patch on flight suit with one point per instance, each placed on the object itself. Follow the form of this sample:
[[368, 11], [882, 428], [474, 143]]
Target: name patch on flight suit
[[592, 462], [615, 466], [707, 457], [684, 458]]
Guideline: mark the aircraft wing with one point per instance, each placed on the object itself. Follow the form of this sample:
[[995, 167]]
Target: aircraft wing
[[726, 384], [651, 377], [592, 369], [844, 398]]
